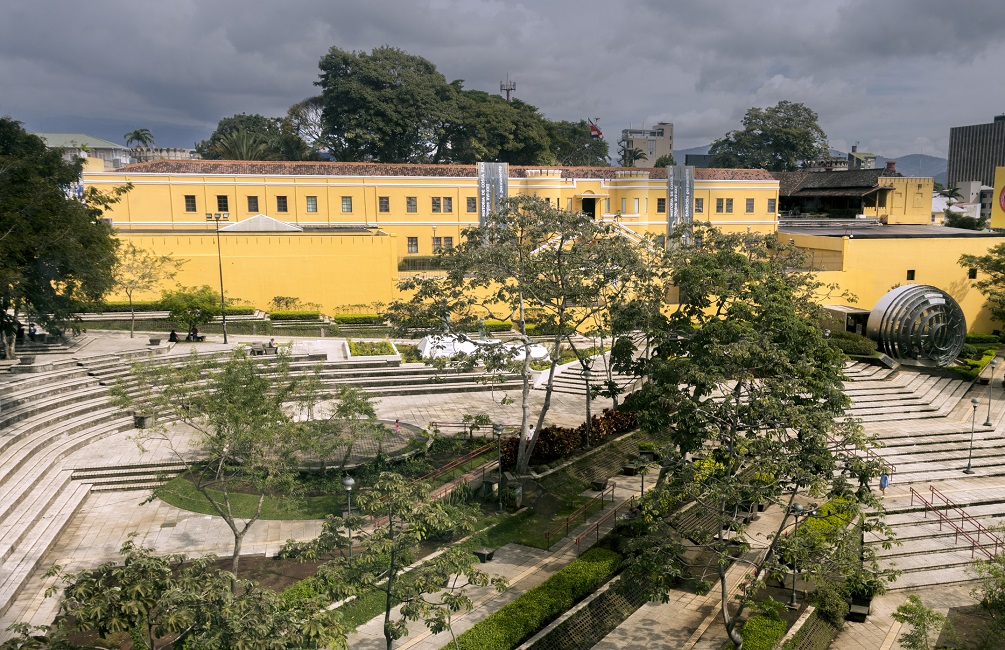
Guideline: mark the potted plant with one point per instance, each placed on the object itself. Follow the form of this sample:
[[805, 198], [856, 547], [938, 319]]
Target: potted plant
[[647, 451]]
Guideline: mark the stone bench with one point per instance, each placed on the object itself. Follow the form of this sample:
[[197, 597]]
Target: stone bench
[[484, 554]]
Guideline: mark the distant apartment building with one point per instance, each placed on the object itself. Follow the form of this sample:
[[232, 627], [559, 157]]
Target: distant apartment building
[[860, 159], [110, 154], [654, 143], [975, 151]]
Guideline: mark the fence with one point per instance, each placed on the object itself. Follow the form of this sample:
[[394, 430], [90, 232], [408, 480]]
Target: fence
[[595, 528], [961, 527], [567, 522]]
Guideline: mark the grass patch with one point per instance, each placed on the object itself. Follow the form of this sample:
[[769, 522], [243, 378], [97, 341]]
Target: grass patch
[[409, 353], [566, 355], [370, 349], [181, 493]]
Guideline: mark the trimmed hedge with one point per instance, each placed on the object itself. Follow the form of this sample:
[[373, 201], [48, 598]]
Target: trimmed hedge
[[370, 349], [555, 443], [491, 325], [982, 339], [138, 305], [971, 368], [761, 632], [240, 310], [358, 319], [509, 626], [853, 344], [295, 315]]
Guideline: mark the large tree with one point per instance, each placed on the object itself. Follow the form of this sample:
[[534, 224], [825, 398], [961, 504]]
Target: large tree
[[479, 126], [774, 138], [739, 372], [255, 137], [404, 517], [242, 415], [55, 251], [990, 278], [386, 105], [573, 145], [529, 257]]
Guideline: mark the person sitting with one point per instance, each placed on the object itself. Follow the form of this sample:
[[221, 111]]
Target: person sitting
[[31, 331], [173, 336], [193, 334], [272, 343]]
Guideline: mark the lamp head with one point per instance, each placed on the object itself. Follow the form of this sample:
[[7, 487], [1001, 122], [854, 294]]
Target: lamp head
[[798, 508], [994, 362], [347, 483], [497, 430], [974, 401]]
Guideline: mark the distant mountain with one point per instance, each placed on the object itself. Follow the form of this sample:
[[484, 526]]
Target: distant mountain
[[915, 164]]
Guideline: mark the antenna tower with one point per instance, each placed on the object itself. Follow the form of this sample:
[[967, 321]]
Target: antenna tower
[[507, 87]]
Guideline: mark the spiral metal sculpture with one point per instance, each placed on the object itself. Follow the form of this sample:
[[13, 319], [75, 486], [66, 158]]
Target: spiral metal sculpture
[[918, 324]]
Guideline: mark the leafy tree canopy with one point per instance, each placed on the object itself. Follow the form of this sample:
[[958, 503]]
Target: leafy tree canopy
[[990, 278], [193, 306], [773, 138], [55, 252], [666, 160], [255, 137], [573, 146]]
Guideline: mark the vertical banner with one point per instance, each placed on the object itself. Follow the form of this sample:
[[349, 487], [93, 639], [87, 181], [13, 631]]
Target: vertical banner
[[687, 194], [493, 188], [673, 207]]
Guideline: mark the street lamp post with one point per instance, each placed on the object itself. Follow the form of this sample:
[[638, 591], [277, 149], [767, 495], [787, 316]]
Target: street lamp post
[[218, 217], [497, 431], [347, 483], [797, 510], [973, 422], [991, 380]]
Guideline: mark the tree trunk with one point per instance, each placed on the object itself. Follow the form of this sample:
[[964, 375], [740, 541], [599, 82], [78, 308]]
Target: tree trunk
[[132, 317], [388, 602], [728, 621]]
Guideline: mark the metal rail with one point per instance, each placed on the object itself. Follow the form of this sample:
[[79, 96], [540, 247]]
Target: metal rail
[[609, 490], [595, 528], [959, 529]]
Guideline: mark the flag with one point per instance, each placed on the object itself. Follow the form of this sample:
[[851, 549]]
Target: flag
[[594, 129]]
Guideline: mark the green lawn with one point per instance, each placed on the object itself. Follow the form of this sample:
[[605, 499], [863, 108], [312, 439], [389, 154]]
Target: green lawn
[[181, 493]]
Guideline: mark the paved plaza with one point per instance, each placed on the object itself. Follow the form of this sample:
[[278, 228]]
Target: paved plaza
[[106, 519]]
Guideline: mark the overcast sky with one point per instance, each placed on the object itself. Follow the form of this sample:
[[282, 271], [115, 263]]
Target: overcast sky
[[892, 75]]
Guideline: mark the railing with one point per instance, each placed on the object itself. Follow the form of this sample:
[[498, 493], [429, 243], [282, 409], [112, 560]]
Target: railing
[[595, 528], [608, 491], [960, 528], [890, 468]]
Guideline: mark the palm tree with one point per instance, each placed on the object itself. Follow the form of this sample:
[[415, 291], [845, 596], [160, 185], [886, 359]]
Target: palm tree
[[142, 137], [243, 145], [952, 194], [630, 156]]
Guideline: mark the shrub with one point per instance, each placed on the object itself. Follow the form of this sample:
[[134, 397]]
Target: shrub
[[761, 632], [409, 353], [853, 344], [302, 592], [509, 626], [295, 315], [240, 310], [358, 319], [556, 443], [138, 305], [368, 349], [983, 339]]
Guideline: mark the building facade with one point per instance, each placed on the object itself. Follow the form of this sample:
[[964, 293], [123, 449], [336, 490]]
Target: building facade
[[975, 151], [654, 143]]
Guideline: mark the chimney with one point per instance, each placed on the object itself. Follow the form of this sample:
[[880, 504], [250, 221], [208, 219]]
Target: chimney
[[854, 148], [891, 165]]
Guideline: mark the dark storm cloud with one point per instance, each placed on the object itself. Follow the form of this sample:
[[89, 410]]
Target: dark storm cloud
[[877, 72]]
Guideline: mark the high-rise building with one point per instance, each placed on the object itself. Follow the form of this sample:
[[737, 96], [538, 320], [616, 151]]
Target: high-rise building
[[975, 151], [654, 143]]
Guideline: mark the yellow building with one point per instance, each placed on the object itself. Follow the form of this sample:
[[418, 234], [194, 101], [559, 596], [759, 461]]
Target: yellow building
[[336, 231], [998, 200]]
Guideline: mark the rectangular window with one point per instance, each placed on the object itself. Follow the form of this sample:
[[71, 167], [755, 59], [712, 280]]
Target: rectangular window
[[448, 204], [436, 204], [252, 204], [624, 205], [346, 204], [222, 203], [636, 206], [718, 206], [472, 204], [661, 241], [661, 205], [437, 244], [972, 274], [413, 245], [772, 206], [190, 203], [699, 205], [448, 242], [312, 204], [607, 206], [729, 206], [750, 206], [411, 205], [383, 204], [910, 274], [281, 204]]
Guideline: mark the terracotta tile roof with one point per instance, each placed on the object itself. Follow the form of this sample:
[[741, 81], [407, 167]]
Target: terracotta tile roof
[[845, 183], [282, 168]]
